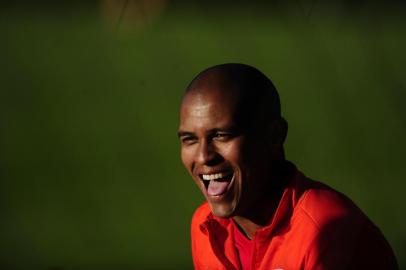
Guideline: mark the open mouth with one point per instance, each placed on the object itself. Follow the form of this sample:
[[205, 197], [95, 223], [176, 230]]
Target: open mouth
[[216, 184]]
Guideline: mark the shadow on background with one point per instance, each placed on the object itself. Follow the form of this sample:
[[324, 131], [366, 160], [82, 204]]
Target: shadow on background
[[90, 170]]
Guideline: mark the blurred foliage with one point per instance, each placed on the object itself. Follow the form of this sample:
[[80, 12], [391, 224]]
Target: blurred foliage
[[89, 164]]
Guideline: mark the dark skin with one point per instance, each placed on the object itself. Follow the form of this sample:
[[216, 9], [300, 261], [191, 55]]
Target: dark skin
[[223, 136]]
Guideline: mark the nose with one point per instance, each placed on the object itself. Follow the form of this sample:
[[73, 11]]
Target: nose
[[207, 154]]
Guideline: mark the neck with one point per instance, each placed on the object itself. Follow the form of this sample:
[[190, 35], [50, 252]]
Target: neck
[[264, 210], [250, 223]]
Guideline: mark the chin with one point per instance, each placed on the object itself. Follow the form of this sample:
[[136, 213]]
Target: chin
[[222, 211]]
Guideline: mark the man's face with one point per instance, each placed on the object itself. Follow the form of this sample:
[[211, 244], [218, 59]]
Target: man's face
[[229, 164]]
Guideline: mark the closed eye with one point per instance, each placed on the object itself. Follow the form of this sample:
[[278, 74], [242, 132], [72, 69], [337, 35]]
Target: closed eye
[[188, 139], [222, 136]]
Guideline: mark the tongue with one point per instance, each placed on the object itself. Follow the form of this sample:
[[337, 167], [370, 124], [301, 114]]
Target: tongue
[[216, 188]]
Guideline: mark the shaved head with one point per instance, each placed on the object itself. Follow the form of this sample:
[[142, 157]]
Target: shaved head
[[253, 95], [244, 81], [231, 129]]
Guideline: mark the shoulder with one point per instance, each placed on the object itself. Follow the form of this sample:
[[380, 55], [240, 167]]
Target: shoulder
[[324, 205], [343, 233]]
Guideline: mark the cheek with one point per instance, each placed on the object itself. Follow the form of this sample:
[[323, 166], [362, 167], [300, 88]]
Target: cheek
[[187, 158], [233, 152]]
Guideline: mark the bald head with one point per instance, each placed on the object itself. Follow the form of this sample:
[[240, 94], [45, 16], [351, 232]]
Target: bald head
[[252, 95], [230, 124], [239, 81]]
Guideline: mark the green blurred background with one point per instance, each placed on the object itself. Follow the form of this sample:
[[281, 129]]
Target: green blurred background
[[90, 174]]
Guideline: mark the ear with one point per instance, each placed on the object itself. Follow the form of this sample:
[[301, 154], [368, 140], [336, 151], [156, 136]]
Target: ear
[[278, 131]]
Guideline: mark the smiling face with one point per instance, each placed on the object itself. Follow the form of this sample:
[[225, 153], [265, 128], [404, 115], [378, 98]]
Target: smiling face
[[227, 160]]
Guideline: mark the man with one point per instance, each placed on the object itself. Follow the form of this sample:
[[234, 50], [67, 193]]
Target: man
[[261, 212]]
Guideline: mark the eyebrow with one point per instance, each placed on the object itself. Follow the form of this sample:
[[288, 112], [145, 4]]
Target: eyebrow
[[214, 130], [185, 133]]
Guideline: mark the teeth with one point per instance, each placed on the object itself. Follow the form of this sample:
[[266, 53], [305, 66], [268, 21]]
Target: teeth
[[213, 176]]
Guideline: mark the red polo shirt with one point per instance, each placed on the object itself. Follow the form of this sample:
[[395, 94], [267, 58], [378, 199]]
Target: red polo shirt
[[314, 227], [244, 247]]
